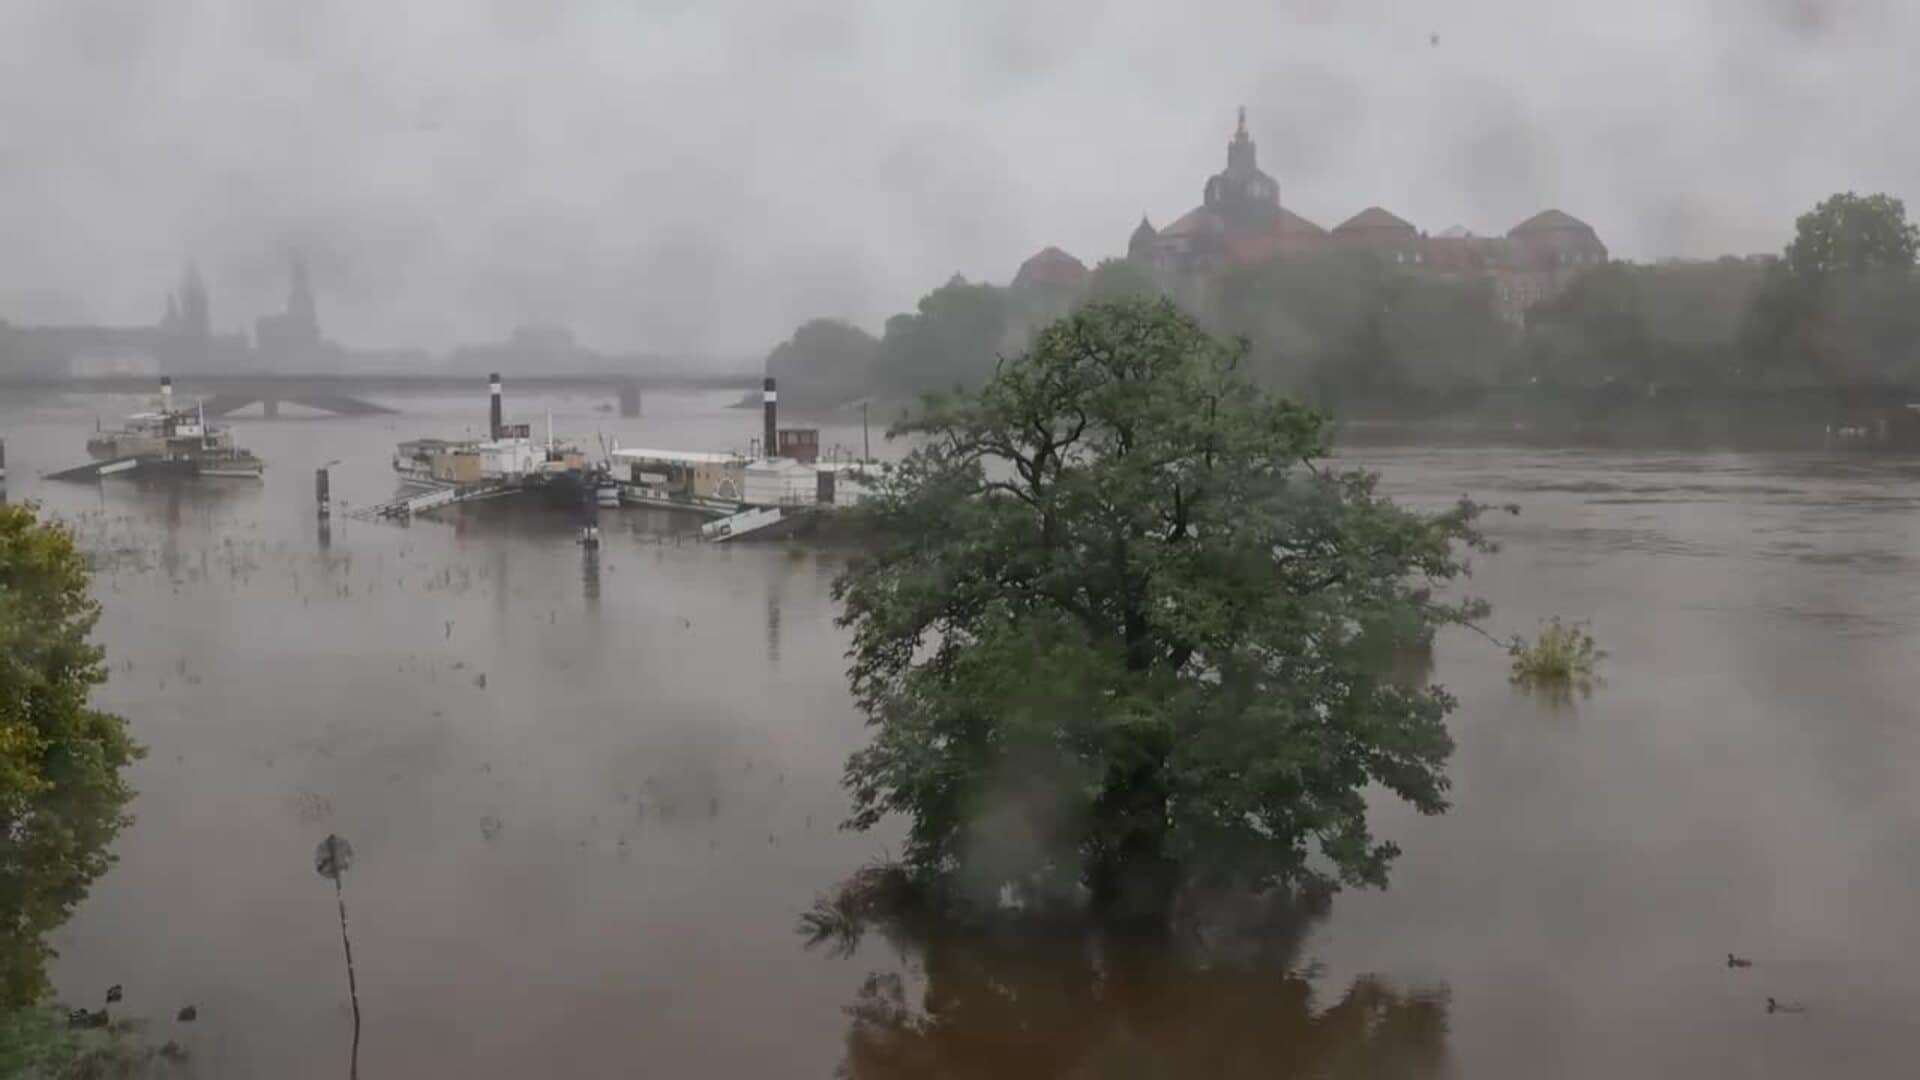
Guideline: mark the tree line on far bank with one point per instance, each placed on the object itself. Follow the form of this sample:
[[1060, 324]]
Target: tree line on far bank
[[1841, 306]]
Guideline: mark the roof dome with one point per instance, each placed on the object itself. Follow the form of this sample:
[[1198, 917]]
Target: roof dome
[[1373, 217], [1550, 221], [1051, 266]]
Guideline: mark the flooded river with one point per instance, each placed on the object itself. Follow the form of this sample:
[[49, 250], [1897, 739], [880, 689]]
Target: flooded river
[[589, 798]]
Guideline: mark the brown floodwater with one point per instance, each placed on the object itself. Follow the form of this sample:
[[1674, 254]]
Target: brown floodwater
[[588, 798]]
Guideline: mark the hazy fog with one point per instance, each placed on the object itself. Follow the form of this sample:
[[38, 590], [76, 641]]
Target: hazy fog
[[701, 176]]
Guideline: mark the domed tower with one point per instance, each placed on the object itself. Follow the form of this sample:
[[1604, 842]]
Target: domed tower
[[1243, 196], [1140, 245]]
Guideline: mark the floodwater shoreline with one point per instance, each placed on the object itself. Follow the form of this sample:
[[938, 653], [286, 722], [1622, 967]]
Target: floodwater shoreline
[[605, 844]]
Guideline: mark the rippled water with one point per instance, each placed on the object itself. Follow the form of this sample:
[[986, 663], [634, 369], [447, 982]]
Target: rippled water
[[591, 864]]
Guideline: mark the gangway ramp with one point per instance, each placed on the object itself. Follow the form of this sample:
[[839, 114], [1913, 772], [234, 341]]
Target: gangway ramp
[[744, 523], [407, 506]]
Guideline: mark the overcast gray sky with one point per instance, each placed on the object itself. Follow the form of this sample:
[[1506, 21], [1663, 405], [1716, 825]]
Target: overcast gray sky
[[702, 176]]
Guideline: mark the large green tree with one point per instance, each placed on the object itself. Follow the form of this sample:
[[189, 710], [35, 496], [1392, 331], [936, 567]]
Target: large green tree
[[1120, 279], [1855, 234], [62, 796], [826, 362], [1595, 331], [1122, 630], [950, 340], [1842, 306], [1348, 326]]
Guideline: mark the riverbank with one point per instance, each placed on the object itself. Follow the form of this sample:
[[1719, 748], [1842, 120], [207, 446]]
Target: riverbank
[[1698, 418]]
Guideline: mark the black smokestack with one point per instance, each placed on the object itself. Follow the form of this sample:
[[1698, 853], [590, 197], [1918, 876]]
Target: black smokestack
[[493, 387], [321, 492], [772, 421]]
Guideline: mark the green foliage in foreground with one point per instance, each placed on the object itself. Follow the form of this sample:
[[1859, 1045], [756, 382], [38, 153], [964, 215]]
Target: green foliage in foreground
[[62, 799], [38, 1044], [1562, 656], [1122, 625]]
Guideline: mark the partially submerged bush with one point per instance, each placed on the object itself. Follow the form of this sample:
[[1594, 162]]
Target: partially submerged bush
[[875, 892], [1560, 660], [42, 1042]]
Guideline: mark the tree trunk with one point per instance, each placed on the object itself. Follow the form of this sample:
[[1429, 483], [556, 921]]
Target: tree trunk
[[1131, 878]]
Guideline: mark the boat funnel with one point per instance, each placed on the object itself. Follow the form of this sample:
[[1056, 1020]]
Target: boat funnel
[[772, 421], [493, 387]]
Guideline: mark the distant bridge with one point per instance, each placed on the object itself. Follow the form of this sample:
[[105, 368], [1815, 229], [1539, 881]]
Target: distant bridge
[[346, 394]]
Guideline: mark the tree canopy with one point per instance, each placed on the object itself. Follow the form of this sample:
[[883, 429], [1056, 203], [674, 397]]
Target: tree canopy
[[1122, 629], [1119, 279], [826, 362], [950, 340], [62, 798], [1594, 331], [1843, 305], [1853, 234]]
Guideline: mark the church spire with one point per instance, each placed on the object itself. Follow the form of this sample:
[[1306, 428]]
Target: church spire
[[195, 317], [1241, 154], [300, 306]]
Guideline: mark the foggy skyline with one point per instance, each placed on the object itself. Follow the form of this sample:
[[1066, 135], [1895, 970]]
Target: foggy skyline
[[703, 177]]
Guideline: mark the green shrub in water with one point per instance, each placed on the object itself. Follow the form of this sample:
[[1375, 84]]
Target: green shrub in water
[[37, 1042], [1561, 658]]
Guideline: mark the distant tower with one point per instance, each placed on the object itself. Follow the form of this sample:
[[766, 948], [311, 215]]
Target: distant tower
[[195, 319], [302, 318], [1241, 194], [1140, 246], [289, 338], [1241, 152]]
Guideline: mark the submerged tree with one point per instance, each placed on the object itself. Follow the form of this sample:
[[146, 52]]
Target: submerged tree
[[1015, 1006], [62, 798], [1122, 631]]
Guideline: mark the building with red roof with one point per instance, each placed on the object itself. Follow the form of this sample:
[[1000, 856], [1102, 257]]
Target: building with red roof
[[1240, 222]]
